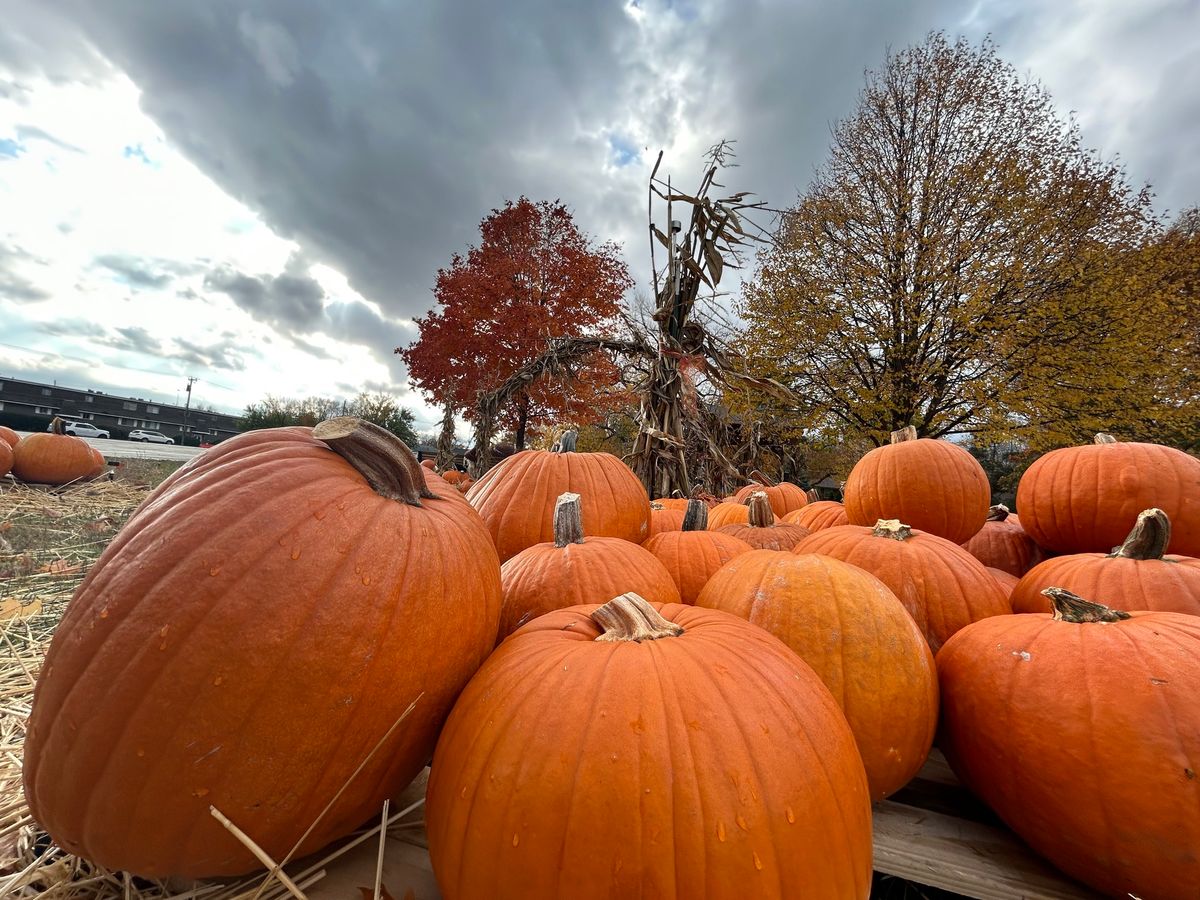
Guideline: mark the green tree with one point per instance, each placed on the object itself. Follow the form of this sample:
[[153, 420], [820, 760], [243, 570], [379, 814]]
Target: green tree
[[934, 272], [383, 410]]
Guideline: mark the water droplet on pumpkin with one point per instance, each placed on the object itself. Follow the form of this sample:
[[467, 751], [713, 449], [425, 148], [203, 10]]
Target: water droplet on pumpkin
[[516, 839], [162, 646], [214, 571], [141, 752], [162, 632], [104, 613], [295, 553], [199, 792], [721, 831], [757, 861], [463, 792], [742, 823], [791, 816], [217, 681]]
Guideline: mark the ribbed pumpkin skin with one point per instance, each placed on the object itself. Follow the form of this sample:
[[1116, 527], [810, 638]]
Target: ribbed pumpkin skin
[[779, 536], [692, 557], [942, 586], [99, 463], [727, 512], [1085, 499], [1005, 545], [8, 436], [711, 765], [1007, 581], [784, 497], [665, 520], [1159, 585], [516, 498], [932, 486], [672, 502], [858, 638], [818, 515], [45, 458], [246, 640], [6, 458], [545, 577], [1084, 738]]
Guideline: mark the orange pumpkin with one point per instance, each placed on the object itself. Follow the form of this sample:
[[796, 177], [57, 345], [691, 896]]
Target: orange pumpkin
[[429, 464], [943, 587], [255, 632], [573, 570], [1007, 581], [1003, 544], [728, 512], [819, 514], [99, 463], [453, 476], [8, 436], [761, 530], [858, 638], [664, 519], [1134, 576], [934, 486], [783, 496], [628, 751], [695, 553], [1082, 732], [52, 457], [1085, 499], [672, 502], [6, 458], [516, 498]]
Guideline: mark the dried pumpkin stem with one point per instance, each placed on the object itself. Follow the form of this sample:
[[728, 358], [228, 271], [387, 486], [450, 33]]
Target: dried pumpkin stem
[[1104, 438], [57, 426], [566, 443], [1070, 607], [696, 517], [761, 514], [378, 455], [812, 495], [893, 529], [1149, 537], [630, 618], [907, 433], [759, 478], [568, 520], [998, 513]]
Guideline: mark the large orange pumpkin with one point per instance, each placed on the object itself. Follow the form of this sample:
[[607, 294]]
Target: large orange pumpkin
[[761, 531], [727, 512], [695, 553], [624, 751], [516, 498], [1082, 732], [665, 518], [574, 569], [8, 436], [943, 587], [252, 635], [6, 458], [1085, 499], [1003, 544], [858, 638], [52, 457], [934, 486], [1008, 582], [819, 514], [783, 496], [1134, 576]]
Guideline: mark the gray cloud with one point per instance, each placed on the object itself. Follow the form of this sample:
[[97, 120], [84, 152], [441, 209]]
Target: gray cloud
[[135, 271], [219, 355], [13, 285], [291, 301], [134, 338]]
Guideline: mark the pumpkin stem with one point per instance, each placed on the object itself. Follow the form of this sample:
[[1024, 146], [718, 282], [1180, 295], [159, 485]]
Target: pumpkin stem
[[696, 517], [893, 529], [566, 443], [631, 618], [377, 455], [1149, 537], [1104, 438], [761, 514], [907, 433], [998, 513], [677, 494], [57, 426], [759, 478], [1070, 607], [812, 495], [568, 520]]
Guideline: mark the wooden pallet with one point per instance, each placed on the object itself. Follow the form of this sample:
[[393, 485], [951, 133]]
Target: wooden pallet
[[934, 832]]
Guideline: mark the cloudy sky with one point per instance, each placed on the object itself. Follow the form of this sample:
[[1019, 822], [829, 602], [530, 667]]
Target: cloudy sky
[[259, 194]]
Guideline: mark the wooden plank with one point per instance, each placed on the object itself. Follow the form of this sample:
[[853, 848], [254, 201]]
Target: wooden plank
[[969, 858]]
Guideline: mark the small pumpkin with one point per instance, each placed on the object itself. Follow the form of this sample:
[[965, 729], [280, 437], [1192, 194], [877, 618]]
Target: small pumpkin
[[819, 514], [858, 638], [1083, 499], [1135, 575], [761, 531], [429, 464], [694, 554], [52, 457], [680, 503], [6, 458], [1003, 544], [934, 486], [574, 569], [664, 519], [629, 750], [8, 436], [783, 496], [727, 512], [1082, 731]]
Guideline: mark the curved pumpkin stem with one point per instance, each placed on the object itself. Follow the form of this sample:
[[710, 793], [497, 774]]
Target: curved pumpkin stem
[[1070, 607], [758, 477], [1104, 438], [566, 443], [1149, 537], [893, 529], [696, 517], [380, 457], [568, 520], [630, 618], [907, 433], [812, 495], [57, 426], [998, 513], [761, 514]]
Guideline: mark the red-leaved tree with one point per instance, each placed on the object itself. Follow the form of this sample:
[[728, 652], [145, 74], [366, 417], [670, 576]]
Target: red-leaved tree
[[534, 276]]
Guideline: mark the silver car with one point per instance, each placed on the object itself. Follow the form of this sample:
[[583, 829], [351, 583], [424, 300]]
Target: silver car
[[152, 436]]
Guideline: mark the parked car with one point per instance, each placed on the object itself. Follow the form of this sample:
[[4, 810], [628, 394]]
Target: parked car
[[152, 436], [80, 429]]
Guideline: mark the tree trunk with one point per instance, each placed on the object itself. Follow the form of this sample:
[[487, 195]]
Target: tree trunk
[[522, 419], [445, 444]]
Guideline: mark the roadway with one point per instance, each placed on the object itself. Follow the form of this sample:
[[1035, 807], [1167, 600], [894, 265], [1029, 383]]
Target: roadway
[[139, 449]]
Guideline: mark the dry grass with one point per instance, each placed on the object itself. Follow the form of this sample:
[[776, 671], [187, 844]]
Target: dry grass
[[49, 538]]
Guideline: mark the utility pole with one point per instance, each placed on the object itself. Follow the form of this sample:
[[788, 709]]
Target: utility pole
[[186, 407]]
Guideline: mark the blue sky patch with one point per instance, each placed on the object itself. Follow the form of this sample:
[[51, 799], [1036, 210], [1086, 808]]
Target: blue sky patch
[[623, 151], [136, 152], [9, 147]]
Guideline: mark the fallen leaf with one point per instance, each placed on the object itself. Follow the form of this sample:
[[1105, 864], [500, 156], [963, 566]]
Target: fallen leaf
[[100, 525], [61, 567], [12, 608]]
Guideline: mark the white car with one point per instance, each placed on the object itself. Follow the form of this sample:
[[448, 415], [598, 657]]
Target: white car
[[81, 429], [153, 436]]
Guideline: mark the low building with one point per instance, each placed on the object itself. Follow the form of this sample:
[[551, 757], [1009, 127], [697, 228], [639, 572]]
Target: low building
[[30, 405]]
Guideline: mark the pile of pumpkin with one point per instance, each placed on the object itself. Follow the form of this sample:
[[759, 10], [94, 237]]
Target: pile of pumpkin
[[51, 457], [460, 480], [296, 622]]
